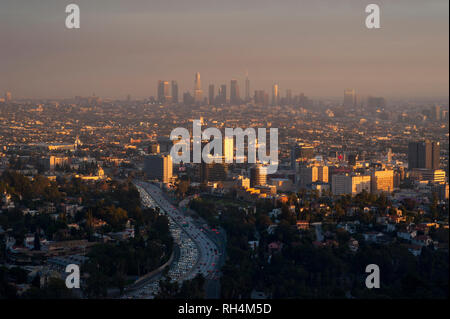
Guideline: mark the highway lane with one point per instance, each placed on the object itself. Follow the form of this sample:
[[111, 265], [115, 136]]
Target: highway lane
[[198, 254], [181, 267], [208, 251], [218, 236]]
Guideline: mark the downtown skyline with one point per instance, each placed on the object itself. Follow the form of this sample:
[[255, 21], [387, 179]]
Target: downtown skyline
[[237, 90]]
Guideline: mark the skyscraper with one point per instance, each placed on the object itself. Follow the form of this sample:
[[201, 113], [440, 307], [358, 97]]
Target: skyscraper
[[436, 113], [275, 94], [350, 184], [424, 155], [175, 92], [258, 175], [234, 92], [247, 88], [389, 155], [213, 172], [154, 148], [211, 94], [260, 97], [222, 94], [288, 96], [163, 91], [158, 166], [301, 152], [382, 181], [188, 99], [198, 93], [8, 97], [349, 98], [307, 175], [228, 149]]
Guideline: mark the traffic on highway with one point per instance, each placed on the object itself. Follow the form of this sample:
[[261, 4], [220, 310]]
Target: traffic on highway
[[198, 254]]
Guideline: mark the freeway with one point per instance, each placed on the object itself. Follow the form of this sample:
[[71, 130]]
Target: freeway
[[198, 254], [208, 250], [218, 236], [185, 249]]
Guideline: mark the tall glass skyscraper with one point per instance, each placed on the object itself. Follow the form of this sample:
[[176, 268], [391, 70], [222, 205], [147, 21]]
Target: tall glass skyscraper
[[174, 92], [424, 155], [198, 93], [234, 92]]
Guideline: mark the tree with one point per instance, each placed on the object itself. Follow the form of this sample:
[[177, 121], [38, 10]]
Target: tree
[[55, 289], [193, 289], [37, 242], [183, 187], [167, 289]]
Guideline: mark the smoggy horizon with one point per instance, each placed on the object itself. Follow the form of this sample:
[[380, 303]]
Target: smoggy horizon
[[318, 48]]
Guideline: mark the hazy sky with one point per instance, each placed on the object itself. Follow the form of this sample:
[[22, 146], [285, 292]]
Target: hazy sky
[[318, 47]]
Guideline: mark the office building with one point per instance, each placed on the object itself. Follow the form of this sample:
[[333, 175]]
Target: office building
[[282, 184], [52, 162], [228, 149], [301, 152], [307, 175], [441, 190], [211, 94], [389, 155], [382, 181], [275, 94], [258, 175], [163, 91], [8, 97], [261, 97], [322, 174], [424, 155], [342, 184], [288, 96], [188, 99], [234, 93], [154, 148], [428, 175], [165, 144], [349, 98], [158, 166], [174, 92], [312, 174], [436, 113], [222, 94], [216, 171], [243, 182], [198, 93], [247, 88]]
